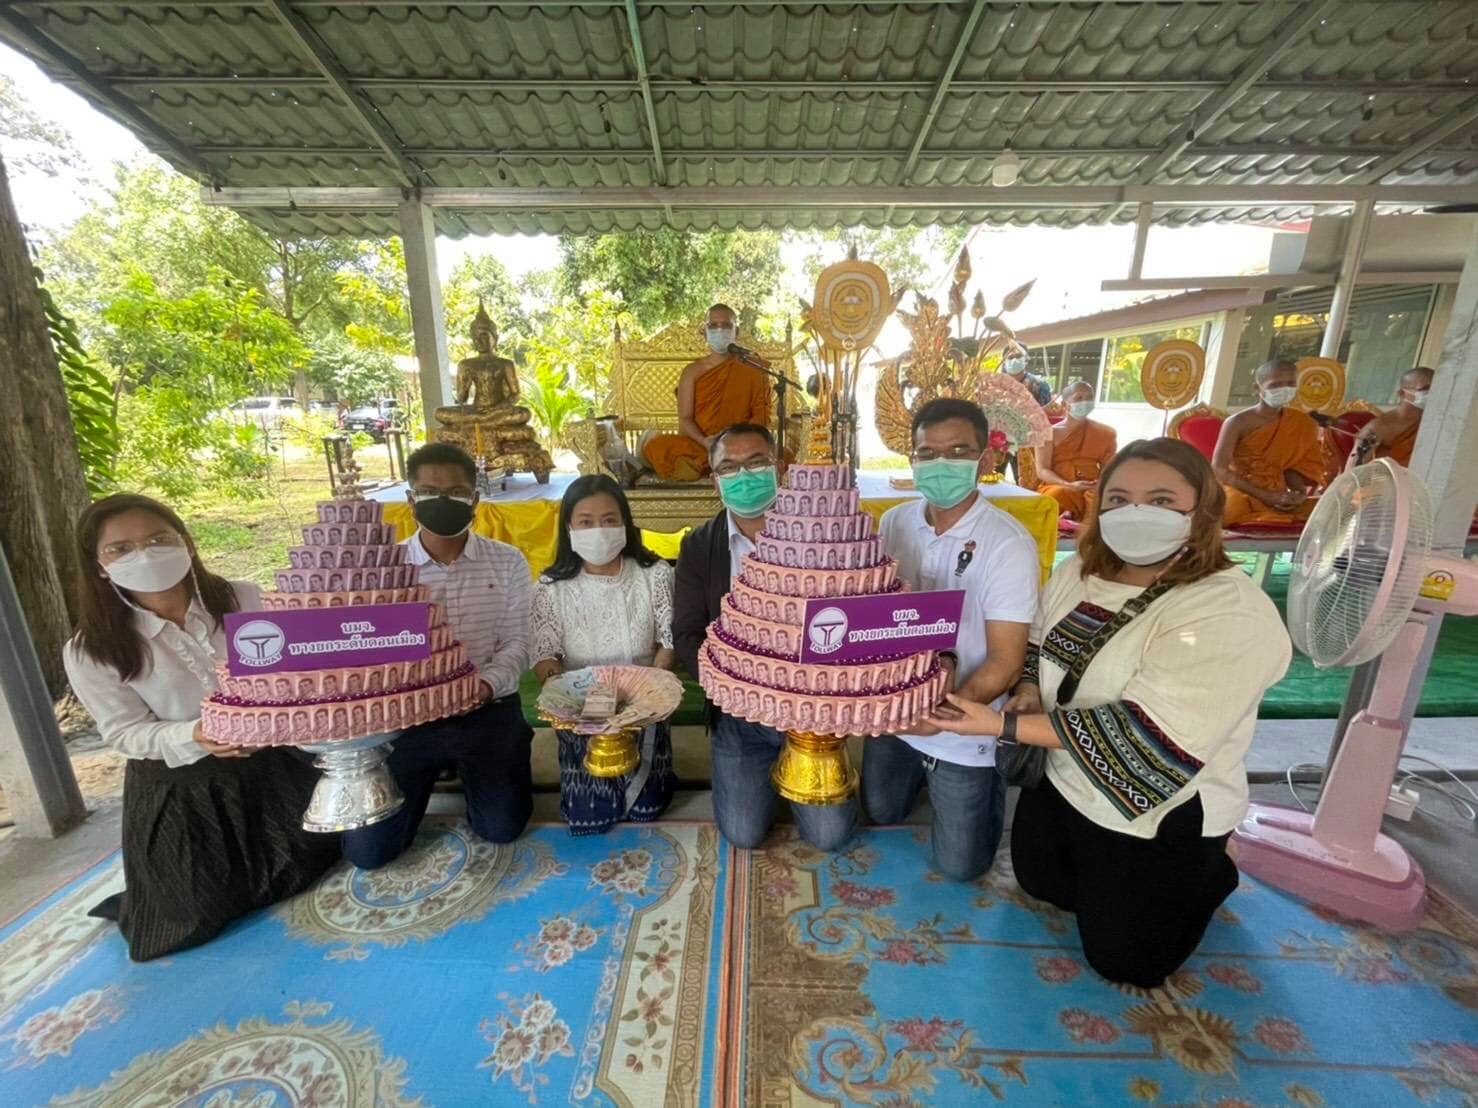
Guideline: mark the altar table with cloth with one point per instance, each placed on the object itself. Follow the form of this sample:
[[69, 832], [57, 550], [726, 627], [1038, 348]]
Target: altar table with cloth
[[526, 515]]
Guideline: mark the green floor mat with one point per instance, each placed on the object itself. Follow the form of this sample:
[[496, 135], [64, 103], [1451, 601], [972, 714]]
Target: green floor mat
[[1306, 692]]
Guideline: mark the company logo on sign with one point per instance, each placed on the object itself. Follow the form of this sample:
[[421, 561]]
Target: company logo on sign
[[827, 630], [853, 628], [259, 642]]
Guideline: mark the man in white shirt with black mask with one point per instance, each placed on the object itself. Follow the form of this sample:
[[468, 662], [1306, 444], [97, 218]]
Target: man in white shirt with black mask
[[954, 538]]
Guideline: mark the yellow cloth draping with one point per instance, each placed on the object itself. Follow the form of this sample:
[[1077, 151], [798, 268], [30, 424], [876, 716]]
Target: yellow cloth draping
[[533, 525]]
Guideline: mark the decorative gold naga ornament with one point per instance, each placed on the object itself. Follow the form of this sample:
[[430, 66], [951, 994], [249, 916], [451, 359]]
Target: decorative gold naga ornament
[[487, 420], [1170, 375], [1321, 385], [938, 362]]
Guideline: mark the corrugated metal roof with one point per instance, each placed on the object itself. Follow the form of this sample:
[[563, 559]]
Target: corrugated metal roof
[[781, 94]]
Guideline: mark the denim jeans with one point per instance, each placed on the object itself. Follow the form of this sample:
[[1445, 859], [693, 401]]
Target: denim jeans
[[744, 798], [969, 803], [489, 748]]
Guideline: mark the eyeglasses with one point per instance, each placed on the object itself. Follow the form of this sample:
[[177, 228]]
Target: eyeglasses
[[162, 541], [953, 454], [462, 494], [728, 469]]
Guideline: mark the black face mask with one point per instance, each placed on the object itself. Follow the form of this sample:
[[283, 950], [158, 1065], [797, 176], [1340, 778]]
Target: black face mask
[[441, 515]]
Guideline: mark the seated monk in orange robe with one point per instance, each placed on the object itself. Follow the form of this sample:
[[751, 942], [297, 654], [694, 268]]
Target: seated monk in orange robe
[[714, 392], [1068, 466], [1270, 457], [1393, 434]]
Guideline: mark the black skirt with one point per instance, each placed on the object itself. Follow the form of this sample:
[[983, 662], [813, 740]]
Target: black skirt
[[207, 843]]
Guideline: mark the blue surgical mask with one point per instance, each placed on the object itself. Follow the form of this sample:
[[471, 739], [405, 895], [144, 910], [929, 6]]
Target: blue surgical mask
[[944, 482], [1279, 398], [1015, 365], [750, 492], [1079, 409], [719, 339]]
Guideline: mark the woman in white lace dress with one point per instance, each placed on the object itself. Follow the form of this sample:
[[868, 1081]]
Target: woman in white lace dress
[[606, 600]]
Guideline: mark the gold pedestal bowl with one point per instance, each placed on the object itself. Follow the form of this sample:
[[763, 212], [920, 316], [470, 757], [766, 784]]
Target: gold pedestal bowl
[[814, 769], [613, 753]]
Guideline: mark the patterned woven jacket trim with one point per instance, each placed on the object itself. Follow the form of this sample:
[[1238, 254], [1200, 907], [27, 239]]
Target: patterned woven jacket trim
[[1125, 754], [1031, 666], [1073, 632]]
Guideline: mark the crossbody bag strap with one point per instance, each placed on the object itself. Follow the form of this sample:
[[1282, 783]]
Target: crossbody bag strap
[[1069, 687]]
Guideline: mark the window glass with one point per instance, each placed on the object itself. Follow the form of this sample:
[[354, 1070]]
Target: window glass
[[1124, 356]]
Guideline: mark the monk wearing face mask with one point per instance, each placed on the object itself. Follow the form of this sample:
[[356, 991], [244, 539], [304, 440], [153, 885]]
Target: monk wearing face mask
[[1393, 434], [1068, 466], [1270, 457], [714, 392]]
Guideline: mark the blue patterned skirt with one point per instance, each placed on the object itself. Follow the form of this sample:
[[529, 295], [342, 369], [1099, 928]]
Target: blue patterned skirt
[[593, 805]]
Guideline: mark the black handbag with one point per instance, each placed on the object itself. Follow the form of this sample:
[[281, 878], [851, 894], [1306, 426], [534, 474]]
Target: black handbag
[[1023, 764]]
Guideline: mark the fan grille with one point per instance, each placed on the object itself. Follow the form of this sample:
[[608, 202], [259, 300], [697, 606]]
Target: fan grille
[[1359, 565]]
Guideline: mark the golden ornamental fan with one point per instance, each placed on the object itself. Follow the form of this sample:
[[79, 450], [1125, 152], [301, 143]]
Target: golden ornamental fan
[[1170, 375], [1321, 385], [939, 363]]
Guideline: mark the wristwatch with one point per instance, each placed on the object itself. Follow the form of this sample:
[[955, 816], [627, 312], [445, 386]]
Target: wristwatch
[[1008, 729]]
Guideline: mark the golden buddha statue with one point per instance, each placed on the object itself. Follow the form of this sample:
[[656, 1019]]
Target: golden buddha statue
[[487, 420]]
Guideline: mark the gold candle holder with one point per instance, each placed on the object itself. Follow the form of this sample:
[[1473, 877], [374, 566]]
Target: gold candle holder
[[612, 753], [814, 769]]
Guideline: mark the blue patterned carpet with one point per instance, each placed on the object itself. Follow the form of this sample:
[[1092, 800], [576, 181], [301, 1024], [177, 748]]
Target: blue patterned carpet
[[863, 980], [653, 966], [554, 970]]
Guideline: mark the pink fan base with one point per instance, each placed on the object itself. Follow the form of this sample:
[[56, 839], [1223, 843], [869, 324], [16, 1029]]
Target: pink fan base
[[256, 725], [311, 686], [1384, 886], [873, 713]]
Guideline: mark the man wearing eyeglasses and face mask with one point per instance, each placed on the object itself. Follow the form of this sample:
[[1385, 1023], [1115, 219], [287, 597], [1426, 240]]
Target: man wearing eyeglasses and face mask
[[954, 538], [714, 392], [485, 589], [746, 473]]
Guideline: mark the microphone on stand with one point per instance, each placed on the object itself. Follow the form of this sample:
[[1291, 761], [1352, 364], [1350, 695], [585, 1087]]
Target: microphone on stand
[[746, 355]]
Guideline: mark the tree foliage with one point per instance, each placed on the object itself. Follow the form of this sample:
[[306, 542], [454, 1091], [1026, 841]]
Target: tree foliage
[[912, 257], [30, 142], [668, 276], [90, 397]]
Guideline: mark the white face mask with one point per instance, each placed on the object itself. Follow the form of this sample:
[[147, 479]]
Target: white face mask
[[719, 339], [1142, 534], [1015, 365], [155, 570], [1417, 400], [1278, 398], [598, 545], [1079, 409]]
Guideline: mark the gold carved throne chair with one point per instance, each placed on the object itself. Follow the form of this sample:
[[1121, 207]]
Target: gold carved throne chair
[[643, 401]]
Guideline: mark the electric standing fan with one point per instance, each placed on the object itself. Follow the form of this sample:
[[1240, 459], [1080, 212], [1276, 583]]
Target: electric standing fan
[[1363, 581]]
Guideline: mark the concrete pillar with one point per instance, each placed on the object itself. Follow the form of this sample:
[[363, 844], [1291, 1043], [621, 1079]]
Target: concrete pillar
[[1349, 271], [1221, 357], [428, 319], [34, 768]]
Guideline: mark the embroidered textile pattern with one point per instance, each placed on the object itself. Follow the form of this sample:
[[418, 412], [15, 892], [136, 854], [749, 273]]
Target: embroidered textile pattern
[[1129, 759], [1073, 632]]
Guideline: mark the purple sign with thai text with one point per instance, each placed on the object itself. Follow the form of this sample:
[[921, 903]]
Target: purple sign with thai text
[[851, 628], [326, 638]]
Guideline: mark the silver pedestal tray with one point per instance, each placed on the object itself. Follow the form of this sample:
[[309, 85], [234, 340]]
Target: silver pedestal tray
[[356, 788]]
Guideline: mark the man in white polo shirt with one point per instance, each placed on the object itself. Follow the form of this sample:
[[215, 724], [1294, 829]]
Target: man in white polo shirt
[[954, 538]]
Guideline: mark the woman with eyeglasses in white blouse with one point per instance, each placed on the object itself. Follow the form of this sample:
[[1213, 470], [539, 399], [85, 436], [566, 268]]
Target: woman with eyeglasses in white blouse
[[210, 832]]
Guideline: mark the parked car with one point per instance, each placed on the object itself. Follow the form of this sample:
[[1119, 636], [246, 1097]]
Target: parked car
[[323, 407], [268, 411], [368, 419]]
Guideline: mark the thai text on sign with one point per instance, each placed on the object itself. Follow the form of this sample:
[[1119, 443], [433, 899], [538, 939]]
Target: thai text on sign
[[854, 628], [325, 638]]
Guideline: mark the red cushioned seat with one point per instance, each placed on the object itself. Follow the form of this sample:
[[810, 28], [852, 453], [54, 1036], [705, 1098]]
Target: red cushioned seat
[[1201, 431]]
